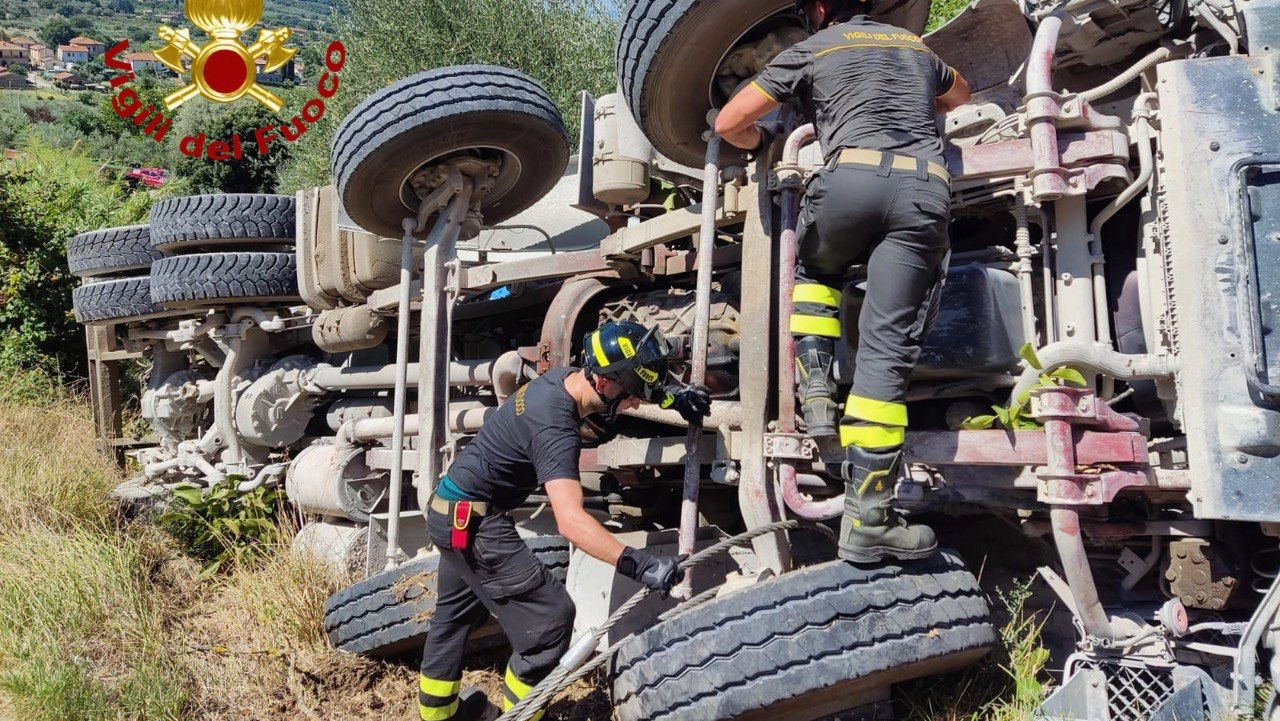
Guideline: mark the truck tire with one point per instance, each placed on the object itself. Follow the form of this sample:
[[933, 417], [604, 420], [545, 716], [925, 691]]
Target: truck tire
[[111, 251], [212, 278], [667, 55], [482, 110], [115, 299], [798, 647], [387, 614], [197, 221]]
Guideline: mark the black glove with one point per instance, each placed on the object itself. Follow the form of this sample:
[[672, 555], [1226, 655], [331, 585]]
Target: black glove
[[660, 574], [769, 131], [692, 402]]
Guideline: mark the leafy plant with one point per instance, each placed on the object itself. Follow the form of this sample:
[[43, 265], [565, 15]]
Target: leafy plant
[[222, 524], [1015, 416]]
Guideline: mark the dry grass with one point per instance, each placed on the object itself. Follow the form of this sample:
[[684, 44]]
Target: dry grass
[[102, 618]]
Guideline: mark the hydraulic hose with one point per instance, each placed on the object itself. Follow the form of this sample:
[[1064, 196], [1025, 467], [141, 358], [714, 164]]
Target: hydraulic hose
[[1127, 76]]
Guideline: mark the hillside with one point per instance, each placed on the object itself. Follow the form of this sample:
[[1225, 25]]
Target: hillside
[[107, 20]]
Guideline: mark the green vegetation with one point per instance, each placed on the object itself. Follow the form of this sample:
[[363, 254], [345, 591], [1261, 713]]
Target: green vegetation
[[47, 196], [1015, 417], [567, 45], [222, 525], [1007, 686]]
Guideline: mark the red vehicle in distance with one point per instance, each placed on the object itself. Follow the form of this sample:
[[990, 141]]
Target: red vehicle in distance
[[150, 177]]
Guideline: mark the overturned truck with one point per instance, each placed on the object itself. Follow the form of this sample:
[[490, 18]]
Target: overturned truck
[[1115, 183]]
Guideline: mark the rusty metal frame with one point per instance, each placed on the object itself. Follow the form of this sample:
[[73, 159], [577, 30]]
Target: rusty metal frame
[[105, 355]]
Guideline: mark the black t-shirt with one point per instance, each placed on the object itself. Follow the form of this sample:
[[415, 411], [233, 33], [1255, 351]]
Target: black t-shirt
[[864, 85], [531, 439]]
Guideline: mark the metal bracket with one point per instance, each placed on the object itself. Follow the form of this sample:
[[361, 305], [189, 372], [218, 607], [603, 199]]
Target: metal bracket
[[795, 446]]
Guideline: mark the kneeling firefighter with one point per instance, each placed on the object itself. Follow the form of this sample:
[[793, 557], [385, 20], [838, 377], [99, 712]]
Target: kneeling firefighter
[[485, 568], [882, 198]]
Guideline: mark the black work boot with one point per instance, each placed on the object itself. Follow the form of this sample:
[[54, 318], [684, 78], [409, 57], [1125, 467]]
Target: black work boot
[[814, 356], [871, 529], [472, 705]]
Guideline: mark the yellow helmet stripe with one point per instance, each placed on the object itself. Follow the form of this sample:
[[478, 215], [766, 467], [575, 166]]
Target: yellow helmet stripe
[[598, 349]]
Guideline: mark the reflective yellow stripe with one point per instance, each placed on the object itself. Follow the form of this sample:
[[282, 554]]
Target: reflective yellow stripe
[[514, 690], [436, 687], [667, 401], [817, 294], [866, 482], [598, 350], [518, 687], [815, 325], [886, 413], [438, 713], [756, 84], [872, 436]]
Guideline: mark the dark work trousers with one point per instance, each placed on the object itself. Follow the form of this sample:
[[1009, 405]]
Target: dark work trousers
[[896, 222], [497, 574]]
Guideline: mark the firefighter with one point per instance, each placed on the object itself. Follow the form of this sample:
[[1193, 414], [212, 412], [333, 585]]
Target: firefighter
[[533, 440], [882, 198]]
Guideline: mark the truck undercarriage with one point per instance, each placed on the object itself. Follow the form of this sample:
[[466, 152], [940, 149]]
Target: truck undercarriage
[[1114, 187]]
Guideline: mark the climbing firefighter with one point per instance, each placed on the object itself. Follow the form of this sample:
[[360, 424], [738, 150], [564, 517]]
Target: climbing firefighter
[[882, 198], [533, 440]]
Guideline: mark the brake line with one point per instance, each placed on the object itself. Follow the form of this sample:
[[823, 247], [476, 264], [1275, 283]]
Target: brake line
[[573, 665]]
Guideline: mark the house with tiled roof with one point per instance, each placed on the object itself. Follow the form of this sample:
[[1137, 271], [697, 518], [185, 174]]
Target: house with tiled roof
[[40, 55], [13, 81], [144, 61], [68, 81], [14, 54], [94, 47], [73, 54]]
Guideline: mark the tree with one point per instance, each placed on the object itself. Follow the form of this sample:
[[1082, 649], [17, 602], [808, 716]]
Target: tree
[[253, 173], [121, 6], [567, 45], [45, 198], [57, 31]]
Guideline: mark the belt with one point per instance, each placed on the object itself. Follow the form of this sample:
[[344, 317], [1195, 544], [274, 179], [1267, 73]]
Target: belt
[[440, 505], [873, 158]]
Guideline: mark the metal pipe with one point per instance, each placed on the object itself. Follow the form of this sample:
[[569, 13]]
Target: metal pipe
[[1146, 165], [506, 373], [1127, 76], [1068, 540], [1047, 273], [1092, 358], [698, 361], [224, 400], [724, 414], [400, 394], [790, 201], [434, 331], [802, 505], [464, 416], [1047, 182], [478, 372]]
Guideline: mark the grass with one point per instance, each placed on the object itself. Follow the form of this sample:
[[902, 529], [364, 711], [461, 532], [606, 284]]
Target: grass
[[104, 618], [1007, 686]]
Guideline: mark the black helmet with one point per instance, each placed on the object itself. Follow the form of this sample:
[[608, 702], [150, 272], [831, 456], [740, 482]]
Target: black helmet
[[854, 7], [630, 355]]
